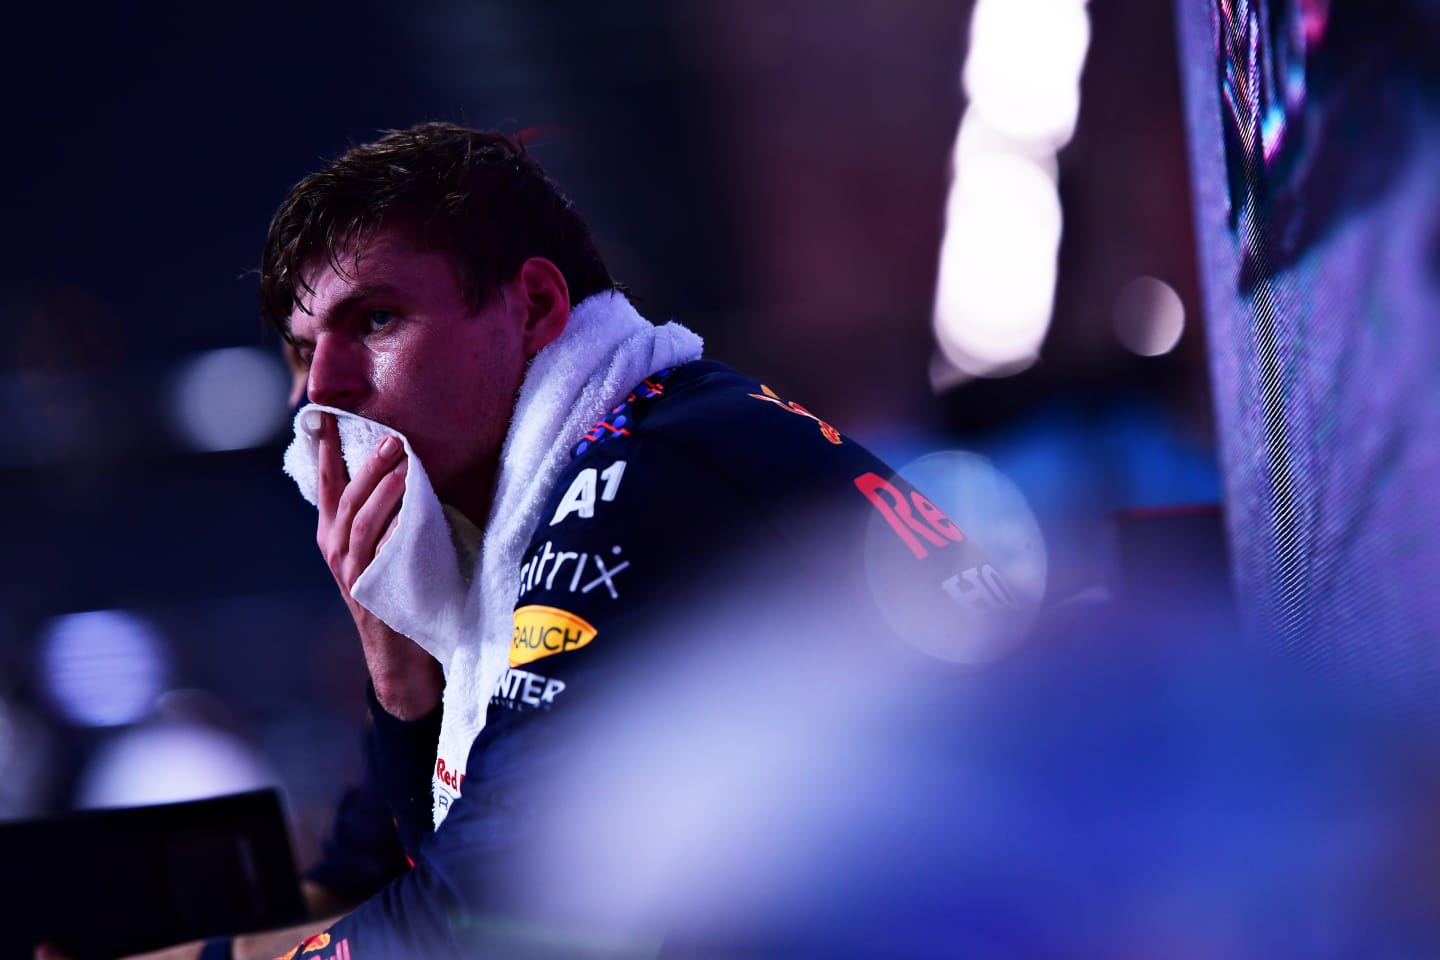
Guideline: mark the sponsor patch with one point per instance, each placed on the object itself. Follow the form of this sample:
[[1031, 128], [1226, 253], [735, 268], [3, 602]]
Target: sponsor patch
[[915, 520], [580, 498], [450, 777], [318, 942], [518, 689], [542, 631], [769, 396], [576, 572]]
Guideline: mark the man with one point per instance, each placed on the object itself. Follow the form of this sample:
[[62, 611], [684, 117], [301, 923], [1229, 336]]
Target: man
[[603, 481]]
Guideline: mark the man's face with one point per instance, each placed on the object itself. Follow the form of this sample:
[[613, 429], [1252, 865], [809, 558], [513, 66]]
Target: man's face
[[394, 341]]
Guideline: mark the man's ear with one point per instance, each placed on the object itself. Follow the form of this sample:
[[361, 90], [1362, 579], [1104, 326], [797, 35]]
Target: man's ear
[[545, 298]]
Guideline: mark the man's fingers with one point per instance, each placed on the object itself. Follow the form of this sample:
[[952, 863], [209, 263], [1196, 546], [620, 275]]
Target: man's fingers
[[333, 475], [356, 512], [376, 516], [362, 486], [394, 520], [389, 530]]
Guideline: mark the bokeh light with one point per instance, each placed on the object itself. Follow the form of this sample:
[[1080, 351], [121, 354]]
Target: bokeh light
[[1149, 317], [990, 508], [995, 287], [169, 763], [994, 602], [231, 399], [1023, 69], [27, 761], [102, 668], [997, 264]]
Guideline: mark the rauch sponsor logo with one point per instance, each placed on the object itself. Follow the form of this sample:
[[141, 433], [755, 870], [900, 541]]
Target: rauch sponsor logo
[[542, 631]]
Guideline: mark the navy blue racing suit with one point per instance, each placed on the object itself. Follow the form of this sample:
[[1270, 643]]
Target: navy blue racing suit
[[702, 491]]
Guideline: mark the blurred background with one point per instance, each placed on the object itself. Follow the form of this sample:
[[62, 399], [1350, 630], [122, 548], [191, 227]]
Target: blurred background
[[939, 224], [775, 176]]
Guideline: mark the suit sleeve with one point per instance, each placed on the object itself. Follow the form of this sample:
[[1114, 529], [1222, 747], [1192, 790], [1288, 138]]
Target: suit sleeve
[[363, 851]]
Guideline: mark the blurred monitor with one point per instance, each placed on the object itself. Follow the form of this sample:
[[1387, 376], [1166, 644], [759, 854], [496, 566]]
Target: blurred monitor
[[1314, 132], [106, 883]]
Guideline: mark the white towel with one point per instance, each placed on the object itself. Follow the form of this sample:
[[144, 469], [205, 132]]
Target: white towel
[[420, 582]]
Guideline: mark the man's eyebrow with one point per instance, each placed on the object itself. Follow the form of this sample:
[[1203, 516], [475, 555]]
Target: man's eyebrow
[[354, 296]]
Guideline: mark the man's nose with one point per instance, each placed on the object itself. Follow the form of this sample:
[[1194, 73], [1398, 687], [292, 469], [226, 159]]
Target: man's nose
[[337, 373]]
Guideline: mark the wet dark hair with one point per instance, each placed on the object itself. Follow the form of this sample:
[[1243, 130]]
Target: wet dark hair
[[475, 194]]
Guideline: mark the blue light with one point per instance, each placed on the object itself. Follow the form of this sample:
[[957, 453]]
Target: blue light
[[102, 668]]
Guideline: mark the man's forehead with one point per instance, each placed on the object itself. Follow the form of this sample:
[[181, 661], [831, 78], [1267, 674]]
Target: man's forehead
[[352, 258], [389, 257]]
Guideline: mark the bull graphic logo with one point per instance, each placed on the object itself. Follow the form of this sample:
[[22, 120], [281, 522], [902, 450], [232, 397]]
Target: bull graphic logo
[[318, 942], [769, 396]]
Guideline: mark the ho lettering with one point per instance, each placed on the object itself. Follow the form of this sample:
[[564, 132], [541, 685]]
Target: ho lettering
[[980, 589], [931, 526]]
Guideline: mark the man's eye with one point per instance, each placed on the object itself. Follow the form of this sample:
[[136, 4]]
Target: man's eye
[[379, 319], [299, 354]]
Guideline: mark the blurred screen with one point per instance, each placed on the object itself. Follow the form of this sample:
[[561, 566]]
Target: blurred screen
[[1313, 149]]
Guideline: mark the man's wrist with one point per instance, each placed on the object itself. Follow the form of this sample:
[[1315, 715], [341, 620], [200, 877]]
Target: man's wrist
[[383, 716], [412, 696], [407, 705], [403, 753]]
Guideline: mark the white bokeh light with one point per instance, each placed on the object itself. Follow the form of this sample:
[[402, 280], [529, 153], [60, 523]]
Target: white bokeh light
[[996, 597], [1149, 317], [231, 399], [991, 508], [995, 287], [169, 763], [102, 668], [1023, 70], [978, 139], [996, 283]]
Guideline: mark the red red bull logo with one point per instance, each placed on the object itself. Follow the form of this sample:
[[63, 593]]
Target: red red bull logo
[[915, 520], [451, 778]]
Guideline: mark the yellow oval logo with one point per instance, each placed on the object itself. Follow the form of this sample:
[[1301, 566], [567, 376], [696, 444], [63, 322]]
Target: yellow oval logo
[[542, 631]]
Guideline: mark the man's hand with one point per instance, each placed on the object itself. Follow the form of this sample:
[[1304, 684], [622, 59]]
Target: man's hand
[[357, 516]]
